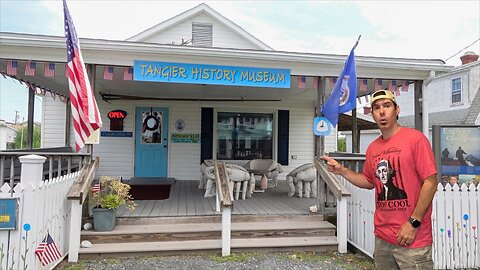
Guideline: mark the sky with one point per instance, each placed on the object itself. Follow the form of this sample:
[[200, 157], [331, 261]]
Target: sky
[[405, 29]]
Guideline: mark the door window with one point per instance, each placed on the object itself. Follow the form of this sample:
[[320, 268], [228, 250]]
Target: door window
[[151, 127]]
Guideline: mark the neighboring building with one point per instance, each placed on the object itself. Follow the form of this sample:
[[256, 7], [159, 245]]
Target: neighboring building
[[7, 135], [453, 98], [178, 113]]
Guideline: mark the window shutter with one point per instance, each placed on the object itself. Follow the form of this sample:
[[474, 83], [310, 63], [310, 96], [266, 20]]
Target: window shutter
[[283, 136], [206, 137], [202, 35]]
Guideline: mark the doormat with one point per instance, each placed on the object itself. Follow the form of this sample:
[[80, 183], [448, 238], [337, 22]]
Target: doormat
[[150, 192]]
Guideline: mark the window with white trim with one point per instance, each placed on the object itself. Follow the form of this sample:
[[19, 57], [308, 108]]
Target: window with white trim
[[456, 90], [244, 136]]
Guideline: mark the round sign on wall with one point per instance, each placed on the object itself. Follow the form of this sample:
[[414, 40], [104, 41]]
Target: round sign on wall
[[179, 125]]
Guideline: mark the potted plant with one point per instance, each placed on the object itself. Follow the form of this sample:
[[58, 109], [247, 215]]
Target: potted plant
[[108, 195]]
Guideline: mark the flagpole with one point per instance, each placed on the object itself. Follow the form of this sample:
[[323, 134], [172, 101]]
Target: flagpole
[[356, 43]]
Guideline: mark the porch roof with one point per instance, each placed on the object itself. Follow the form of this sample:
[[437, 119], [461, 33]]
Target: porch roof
[[44, 49]]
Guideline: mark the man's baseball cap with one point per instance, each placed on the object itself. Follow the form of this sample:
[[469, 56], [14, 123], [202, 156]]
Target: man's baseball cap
[[381, 94]]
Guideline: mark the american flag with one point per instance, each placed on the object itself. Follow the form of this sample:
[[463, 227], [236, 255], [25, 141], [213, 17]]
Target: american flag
[[331, 82], [108, 73], [49, 70], [85, 114], [367, 110], [378, 85], [315, 82], [363, 86], [96, 188], [392, 87], [30, 68], [12, 67], [301, 82], [128, 73], [405, 86], [47, 251]]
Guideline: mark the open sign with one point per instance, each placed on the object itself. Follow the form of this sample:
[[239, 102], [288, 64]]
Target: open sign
[[117, 114], [116, 119]]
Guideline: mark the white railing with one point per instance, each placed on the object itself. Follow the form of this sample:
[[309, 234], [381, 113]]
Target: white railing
[[42, 209], [360, 209], [455, 227], [455, 220]]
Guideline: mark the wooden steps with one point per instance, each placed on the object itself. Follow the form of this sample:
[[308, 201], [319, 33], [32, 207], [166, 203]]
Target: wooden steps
[[141, 236]]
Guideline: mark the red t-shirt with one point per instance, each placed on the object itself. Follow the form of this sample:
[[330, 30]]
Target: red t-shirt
[[397, 167]]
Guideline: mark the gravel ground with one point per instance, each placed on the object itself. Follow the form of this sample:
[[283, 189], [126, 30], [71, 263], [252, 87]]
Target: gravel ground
[[267, 261]]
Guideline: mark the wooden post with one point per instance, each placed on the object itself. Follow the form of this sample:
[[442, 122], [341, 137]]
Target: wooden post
[[226, 230], [31, 123], [342, 221], [320, 150]]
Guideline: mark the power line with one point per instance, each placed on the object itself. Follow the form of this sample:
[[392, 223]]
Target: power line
[[461, 50]]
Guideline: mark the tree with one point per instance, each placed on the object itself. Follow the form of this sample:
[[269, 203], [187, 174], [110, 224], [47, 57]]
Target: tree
[[20, 141], [342, 145]]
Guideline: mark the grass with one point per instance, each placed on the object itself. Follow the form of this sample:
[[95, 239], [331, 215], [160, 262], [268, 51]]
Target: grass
[[349, 261]]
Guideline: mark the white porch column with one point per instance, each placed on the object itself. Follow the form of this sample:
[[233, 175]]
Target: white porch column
[[425, 128]]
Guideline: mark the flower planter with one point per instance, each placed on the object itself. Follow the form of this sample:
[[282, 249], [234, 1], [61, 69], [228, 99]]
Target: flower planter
[[104, 219]]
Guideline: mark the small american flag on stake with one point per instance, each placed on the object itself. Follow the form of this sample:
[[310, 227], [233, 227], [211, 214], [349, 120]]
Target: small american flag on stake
[[47, 251], [30, 68], [96, 188]]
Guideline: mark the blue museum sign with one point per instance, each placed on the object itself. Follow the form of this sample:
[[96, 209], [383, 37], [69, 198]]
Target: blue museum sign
[[210, 74]]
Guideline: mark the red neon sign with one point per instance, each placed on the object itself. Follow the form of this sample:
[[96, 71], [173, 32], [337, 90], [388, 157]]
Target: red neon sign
[[117, 114]]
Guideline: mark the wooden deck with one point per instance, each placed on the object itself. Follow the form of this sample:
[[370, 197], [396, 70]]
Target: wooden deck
[[187, 200]]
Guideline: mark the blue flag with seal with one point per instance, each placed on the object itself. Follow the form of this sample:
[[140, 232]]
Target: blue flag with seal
[[344, 94]]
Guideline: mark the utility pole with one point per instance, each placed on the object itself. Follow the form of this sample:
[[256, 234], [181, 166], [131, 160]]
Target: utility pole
[[16, 116]]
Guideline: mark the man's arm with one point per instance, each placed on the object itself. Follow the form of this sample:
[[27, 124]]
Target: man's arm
[[407, 233], [358, 179]]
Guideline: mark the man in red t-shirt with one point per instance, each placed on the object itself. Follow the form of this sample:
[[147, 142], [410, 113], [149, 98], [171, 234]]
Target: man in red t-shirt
[[401, 167]]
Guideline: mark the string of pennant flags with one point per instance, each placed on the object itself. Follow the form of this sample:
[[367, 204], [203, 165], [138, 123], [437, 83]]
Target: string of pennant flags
[[37, 89], [49, 70], [363, 100]]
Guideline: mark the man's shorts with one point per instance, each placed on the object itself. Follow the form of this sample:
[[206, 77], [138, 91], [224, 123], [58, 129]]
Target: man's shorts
[[388, 256]]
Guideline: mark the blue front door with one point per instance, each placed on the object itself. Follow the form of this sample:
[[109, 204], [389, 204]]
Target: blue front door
[[151, 142]]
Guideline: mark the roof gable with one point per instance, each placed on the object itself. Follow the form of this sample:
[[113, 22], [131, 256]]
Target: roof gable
[[202, 11]]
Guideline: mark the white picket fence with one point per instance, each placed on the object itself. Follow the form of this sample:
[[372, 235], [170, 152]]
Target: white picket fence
[[42, 208], [455, 220]]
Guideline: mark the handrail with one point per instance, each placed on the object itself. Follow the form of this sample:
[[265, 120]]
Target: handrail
[[337, 188], [341, 193], [222, 183], [79, 189], [224, 196]]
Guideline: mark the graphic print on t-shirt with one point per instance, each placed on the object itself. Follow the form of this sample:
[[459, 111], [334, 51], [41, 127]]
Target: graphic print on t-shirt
[[389, 191]]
